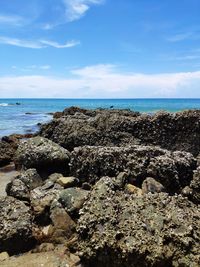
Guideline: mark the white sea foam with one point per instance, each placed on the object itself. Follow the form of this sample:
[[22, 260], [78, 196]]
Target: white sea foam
[[4, 104]]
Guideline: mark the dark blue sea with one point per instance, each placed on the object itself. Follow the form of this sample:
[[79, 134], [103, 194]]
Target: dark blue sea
[[22, 115]]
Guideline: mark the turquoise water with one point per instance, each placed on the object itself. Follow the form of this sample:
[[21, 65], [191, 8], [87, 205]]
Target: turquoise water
[[13, 118]]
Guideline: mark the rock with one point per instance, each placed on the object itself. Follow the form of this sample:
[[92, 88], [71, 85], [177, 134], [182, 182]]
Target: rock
[[44, 247], [15, 226], [86, 186], [67, 181], [72, 199], [131, 189], [22, 184], [121, 179], [195, 186], [173, 131], [193, 191], [44, 259], [41, 199], [116, 229], [55, 176], [78, 127], [4, 256], [18, 189], [174, 170], [63, 225], [6, 153], [43, 155], [150, 185]]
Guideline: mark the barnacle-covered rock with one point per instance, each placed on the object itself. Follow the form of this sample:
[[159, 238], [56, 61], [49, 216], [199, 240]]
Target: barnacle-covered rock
[[116, 229]]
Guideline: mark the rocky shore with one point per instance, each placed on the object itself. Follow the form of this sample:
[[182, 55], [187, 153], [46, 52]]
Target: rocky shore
[[103, 188]]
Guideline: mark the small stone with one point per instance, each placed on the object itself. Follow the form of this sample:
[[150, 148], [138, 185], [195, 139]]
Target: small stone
[[150, 185], [47, 231], [121, 180], [131, 189], [55, 176], [67, 181], [75, 259], [4, 256]]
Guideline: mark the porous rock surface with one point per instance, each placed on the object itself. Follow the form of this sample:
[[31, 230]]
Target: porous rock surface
[[77, 127], [42, 154], [173, 170], [22, 184], [6, 153], [116, 229], [15, 226]]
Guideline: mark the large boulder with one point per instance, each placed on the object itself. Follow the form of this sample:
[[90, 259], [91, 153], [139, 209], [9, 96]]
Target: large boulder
[[15, 226], [173, 170], [118, 229], [77, 127], [22, 184], [43, 155]]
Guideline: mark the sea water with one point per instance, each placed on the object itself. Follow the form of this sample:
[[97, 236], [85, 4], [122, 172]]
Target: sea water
[[23, 115]]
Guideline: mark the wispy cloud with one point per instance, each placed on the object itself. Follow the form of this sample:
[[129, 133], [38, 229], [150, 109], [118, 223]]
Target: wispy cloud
[[36, 44], [75, 9], [31, 68], [184, 36], [103, 81], [69, 44], [11, 20]]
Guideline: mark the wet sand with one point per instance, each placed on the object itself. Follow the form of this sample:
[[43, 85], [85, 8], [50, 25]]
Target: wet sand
[[6, 175]]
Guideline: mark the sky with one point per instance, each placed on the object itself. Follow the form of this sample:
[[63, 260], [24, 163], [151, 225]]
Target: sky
[[99, 49]]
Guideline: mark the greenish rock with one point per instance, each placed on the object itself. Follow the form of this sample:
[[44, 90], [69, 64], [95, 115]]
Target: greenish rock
[[72, 199]]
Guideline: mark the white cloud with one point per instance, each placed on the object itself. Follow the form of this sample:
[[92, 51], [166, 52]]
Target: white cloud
[[75, 9], [103, 81], [11, 20], [37, 44], [57, 45]]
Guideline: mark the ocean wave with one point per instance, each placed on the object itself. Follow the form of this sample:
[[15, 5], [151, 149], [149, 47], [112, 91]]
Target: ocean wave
[[9, 104], [4, 105]]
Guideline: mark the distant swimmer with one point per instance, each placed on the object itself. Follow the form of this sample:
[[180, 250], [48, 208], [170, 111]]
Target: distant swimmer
[[18, 104]]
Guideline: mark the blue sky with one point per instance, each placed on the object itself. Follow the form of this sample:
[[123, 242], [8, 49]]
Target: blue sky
[[99, 48]]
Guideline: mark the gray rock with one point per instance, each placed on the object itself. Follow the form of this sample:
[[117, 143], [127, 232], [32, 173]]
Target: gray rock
[[43, 155], [116, 229], [41, 199], [72, 199], [150, 185], [21, 186], [15, 226], [6, 153], [173, 131], [193, 191], [174, 170]]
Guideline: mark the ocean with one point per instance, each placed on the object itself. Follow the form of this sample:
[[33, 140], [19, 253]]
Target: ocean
[[23, 115]]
